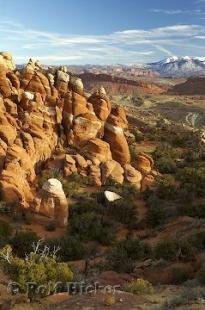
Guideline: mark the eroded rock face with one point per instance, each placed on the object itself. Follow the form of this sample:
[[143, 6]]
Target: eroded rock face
[[101, 104], [144, 163], [53, 202], [97, 151], [6, 60], [114, 135], [133, 176], [112, 170], [43, 111], [85, 127]]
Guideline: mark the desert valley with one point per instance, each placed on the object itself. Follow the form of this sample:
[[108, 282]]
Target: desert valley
[[101, 184]]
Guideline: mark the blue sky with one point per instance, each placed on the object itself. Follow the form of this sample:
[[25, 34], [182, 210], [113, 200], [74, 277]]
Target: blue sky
[[102, 31]]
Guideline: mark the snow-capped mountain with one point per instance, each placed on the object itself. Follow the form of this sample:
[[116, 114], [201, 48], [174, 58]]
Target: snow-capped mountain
[[180, 66]]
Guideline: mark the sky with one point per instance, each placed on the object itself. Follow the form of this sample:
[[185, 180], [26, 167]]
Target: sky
[[101, 31]]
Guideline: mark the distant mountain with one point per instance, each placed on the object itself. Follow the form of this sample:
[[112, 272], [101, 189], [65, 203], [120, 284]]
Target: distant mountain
[[180, 66]]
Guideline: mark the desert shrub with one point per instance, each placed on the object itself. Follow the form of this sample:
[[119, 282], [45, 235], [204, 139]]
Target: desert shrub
[[194, 210], [5, 229], [197, 240], [166, 187], [84, 205], [165, 151], [124, 254], [166, 249], [174, 303], [190, 293], [201, 274], [73, 183], [180, 274], [22, 242], [5, 208], [139, 137], [155, 216], [138, 286], [52, 173], [133, 151], [118, 260], [166, 165], [124, 190], [124, 211], [90, 226], [191, 179], [71, 248], [36, 268], [171, 249]]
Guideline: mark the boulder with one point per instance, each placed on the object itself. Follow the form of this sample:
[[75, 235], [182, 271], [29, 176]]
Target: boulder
[[69, 165], [147, 182], [53, 202], [81, 164], [85, 127], [144, 163], [112, 170], [111, 196], [95, 175], [97, 151], [132, 175]]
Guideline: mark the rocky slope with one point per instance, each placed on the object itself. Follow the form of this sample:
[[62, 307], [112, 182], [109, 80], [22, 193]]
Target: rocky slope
[[42, 111], [193, 86], [117, 85]]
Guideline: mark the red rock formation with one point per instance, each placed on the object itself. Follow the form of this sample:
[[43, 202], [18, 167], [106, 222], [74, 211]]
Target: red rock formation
[[193, 86], [116, 85], [41, 111], [114, 135]]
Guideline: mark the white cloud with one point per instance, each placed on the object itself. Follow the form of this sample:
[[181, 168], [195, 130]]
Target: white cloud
[[128, 46], [197, 12]]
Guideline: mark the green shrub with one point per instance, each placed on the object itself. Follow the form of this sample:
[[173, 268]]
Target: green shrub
[[194, 210], [171, 249], [123, 255], [166, 186], [124, 190], [133, 152], [201, 274], [197, 240], [22, 243], [124, 211], [54, 173], [165, 151], [71, 248], [166, 249], [85, 205], [155, 216], [180, 274], [90, 226], [72, 184], [138, 286], [5, 229], [36, 268], [191, 179], [166, 165]]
